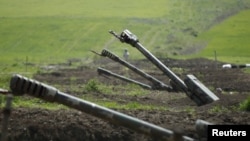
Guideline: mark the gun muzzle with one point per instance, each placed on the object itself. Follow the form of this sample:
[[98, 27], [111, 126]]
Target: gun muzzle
[[21, 85]]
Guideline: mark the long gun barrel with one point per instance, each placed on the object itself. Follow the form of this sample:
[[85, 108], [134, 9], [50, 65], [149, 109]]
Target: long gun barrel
[[157, 84], [20, 85], [199, 93], [129, 38], [107, 72]]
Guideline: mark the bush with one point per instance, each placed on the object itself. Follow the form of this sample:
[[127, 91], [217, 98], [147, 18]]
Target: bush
[[92, 86], [245, 105]]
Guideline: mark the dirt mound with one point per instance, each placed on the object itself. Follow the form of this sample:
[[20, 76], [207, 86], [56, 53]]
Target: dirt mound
[[38, 124]]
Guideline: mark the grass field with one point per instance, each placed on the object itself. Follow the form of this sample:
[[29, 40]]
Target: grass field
[[57, 30], [52, 31], [230, 39], [83, 8]]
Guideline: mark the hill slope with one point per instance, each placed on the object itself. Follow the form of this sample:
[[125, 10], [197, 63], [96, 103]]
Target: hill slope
[[230, 39], [52, 31]]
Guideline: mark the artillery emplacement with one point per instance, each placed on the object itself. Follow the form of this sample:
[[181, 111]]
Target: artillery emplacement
[[193, 88], [156, 84], [21, 85]]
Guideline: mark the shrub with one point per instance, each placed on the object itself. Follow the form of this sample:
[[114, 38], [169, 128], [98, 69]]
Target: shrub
[[245, 105], [92, 86]]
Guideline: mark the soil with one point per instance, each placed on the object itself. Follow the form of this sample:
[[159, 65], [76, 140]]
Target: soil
[[37, 124]]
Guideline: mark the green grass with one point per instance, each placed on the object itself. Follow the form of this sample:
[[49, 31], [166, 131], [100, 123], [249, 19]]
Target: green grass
[[245, 105], [51, 31], [94, 86], [80, 8], [49, 39], [54, 31], [230, 39], [28, 102]]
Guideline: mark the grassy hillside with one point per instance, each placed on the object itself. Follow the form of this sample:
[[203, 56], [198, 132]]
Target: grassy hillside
[[230, 39], [56, 30], [51, 31], [83, 8]]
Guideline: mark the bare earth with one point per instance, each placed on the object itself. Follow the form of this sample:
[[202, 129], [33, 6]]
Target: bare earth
[[63, 125]]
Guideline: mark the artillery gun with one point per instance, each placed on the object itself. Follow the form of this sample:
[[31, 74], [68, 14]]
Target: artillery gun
[[21, 85], [109, 73], [193, 88], [157, 84]]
